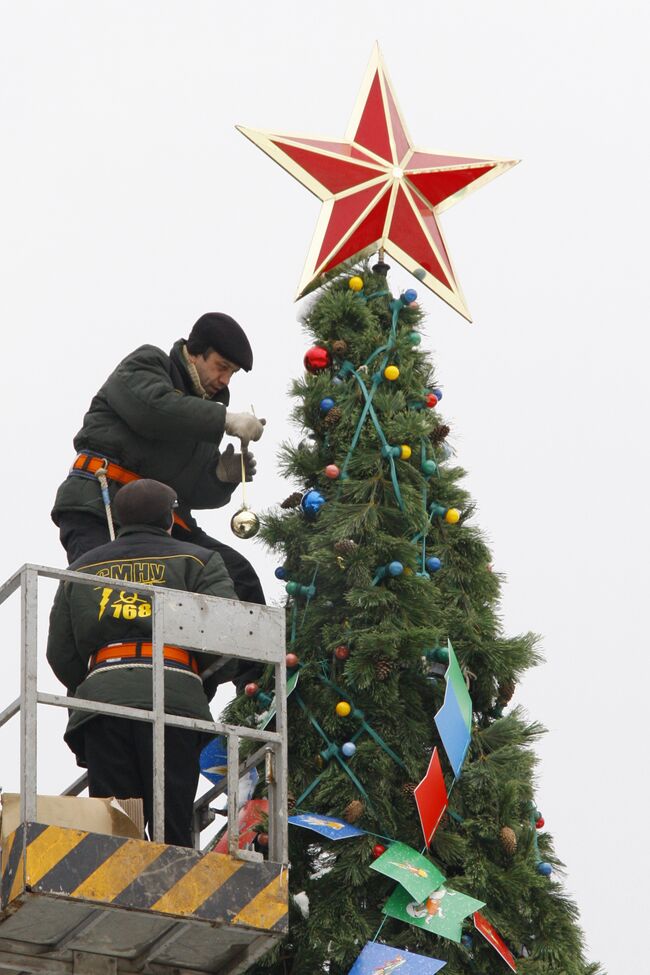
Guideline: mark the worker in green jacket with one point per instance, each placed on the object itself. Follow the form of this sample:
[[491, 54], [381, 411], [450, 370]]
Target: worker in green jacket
[[163, 416], [99, 647]]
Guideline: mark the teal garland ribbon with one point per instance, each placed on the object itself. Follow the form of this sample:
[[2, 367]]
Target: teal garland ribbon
[[359, 715], [334, 753]]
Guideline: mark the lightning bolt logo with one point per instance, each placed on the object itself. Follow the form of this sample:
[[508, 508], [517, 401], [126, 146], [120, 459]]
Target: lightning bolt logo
[[106, 595]]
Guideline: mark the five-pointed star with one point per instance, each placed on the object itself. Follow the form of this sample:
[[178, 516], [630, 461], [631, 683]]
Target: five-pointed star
[[378, 191]]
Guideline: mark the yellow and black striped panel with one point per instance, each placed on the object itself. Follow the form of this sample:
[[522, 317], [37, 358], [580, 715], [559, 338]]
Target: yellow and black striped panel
[[137, 875]]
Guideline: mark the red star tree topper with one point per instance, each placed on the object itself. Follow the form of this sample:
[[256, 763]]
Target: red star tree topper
[[378, 191]]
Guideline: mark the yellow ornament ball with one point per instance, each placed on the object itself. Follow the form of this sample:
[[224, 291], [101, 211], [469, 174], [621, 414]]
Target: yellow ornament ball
[[452, 516], [391, 373], [408, 571], [343, 709], [355, 283], [405, 451]]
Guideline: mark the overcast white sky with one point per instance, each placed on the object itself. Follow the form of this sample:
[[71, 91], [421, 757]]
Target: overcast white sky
[[129, 205]]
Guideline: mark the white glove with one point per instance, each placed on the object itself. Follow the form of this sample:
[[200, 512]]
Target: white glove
[[244, 426], [229, 466]]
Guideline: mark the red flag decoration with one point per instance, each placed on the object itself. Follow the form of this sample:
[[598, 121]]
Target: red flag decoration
[[431, 798], [491, 934], [249, 815]]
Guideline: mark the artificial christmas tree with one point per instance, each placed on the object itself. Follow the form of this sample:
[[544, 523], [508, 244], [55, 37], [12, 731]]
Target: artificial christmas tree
[[382, 573], [399, 737]]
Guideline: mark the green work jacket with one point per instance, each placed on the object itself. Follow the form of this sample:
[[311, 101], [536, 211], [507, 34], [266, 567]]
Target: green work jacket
[[148, 419], [85, 618]]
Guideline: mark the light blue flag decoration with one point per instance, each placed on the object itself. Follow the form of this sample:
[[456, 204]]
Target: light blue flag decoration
[[452, 729], [383, 960], [329, 826]]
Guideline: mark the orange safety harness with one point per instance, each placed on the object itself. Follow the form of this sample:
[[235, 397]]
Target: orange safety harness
[[130, 652], [87, 465]]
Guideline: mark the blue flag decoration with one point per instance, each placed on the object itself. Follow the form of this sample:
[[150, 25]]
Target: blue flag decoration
[[329, 826], [454, 719], [383, 960], [214, 759]]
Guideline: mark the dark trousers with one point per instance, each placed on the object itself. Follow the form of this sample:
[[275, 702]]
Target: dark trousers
[[120, 763], [79, 532]]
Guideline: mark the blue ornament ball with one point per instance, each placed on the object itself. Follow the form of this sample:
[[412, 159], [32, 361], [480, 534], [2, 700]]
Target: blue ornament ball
[[312, 502], [466, 941], [410, 295], [337, 381], [545, 869], [437, 392], [348, 748], [280, 572], [433, 563], [395, 568], [326, 404]]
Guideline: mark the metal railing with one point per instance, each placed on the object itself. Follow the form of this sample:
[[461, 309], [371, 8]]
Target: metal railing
[[225, 628]]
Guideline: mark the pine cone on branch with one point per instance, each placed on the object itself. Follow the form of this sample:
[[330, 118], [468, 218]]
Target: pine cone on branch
[[293, 500], [383, 668], [345, 547], [508, 840], [505, 691], [408, 789], [440, 433], [333, 416], [354, 811]]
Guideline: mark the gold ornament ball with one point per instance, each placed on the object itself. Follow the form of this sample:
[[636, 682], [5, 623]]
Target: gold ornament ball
[[405, 451], [355, 283], [391, 373], [343, 709], [452, 516], [244, 523]]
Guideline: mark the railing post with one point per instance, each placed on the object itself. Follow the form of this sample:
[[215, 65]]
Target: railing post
[[278, 842], [158, 730], [28, 692], [232, 773]]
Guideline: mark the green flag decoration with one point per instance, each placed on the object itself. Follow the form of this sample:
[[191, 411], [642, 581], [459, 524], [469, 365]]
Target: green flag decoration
[[413, 871], [443, 912]]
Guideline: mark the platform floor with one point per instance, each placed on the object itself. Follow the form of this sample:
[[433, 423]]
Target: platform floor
[[87, 904]]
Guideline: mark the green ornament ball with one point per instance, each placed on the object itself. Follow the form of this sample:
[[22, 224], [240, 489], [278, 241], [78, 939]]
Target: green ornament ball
[[414, 338]]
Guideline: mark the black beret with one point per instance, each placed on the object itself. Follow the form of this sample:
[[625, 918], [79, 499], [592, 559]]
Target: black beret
[[222, 333], [145, 502]]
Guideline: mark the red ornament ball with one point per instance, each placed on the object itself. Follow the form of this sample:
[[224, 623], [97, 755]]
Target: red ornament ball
[[251, 689], [431, 400], [317, 358], [377, 850], [342, 653], [539, 823], [332, 471], [263, 840], [292, 660]]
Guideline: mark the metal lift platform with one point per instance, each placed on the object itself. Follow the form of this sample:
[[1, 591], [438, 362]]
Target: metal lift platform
[[74, 902]]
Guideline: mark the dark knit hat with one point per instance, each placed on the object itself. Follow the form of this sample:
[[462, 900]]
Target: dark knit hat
[[220, 332], [145, 502]]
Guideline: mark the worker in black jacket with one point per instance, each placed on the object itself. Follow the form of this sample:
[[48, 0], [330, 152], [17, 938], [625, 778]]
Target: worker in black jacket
[[163, 417], [99, 647]]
